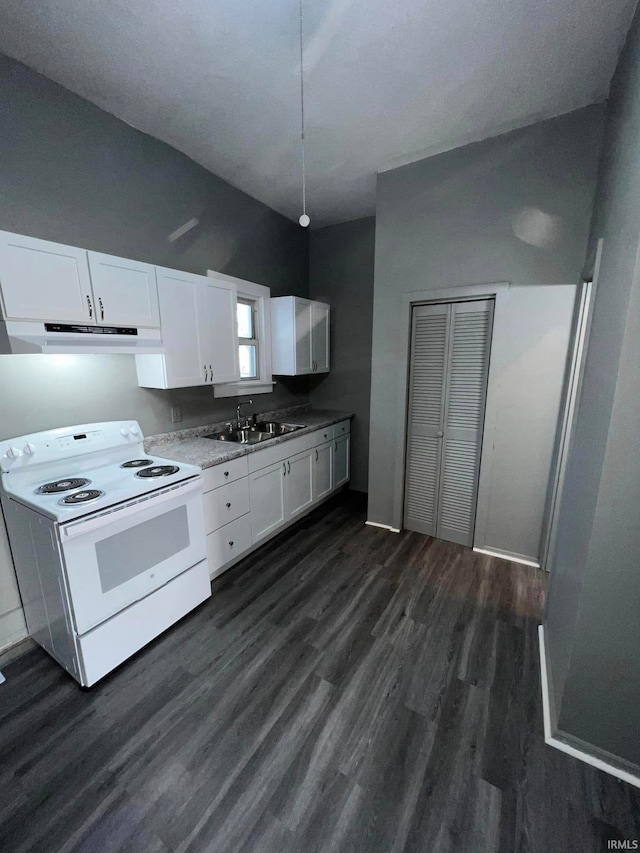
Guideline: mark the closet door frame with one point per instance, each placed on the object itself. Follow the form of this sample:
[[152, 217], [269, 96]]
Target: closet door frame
[[407, 304]]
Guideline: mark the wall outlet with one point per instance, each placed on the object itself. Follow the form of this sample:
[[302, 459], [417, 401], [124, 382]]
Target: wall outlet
[[176, 414]]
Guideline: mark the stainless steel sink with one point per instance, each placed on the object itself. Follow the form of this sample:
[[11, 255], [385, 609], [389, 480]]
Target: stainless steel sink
[[262, 431], [241, 436], [275, 428]]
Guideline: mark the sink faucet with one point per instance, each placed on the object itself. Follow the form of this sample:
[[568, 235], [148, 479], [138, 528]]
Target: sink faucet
[[239, 406]]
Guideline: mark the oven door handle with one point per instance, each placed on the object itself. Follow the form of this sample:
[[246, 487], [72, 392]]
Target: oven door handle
[[84, 525]]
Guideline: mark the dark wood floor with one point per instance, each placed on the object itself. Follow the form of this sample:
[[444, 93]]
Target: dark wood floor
[[346, 689]]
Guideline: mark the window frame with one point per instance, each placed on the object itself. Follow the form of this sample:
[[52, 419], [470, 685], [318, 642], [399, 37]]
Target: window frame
[[260, 296], [255, 340]]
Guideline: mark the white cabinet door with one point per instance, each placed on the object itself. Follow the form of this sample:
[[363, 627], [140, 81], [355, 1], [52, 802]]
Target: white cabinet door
[[303, 349], [219, 311], [125, 291], [323, 471], [299, 483], [182, 328], [267, 497], [320, 337], [341, 464], [44, 281]]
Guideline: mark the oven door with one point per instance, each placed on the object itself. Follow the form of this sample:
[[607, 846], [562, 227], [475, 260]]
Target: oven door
[[118, 557]]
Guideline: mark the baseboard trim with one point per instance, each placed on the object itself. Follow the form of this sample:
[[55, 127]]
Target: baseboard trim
[[382, 526], [506, 555], [554, 739], [16, 650]]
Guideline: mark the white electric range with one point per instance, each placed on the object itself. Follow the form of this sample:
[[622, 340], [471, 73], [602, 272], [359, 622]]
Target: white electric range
[[108, 542]]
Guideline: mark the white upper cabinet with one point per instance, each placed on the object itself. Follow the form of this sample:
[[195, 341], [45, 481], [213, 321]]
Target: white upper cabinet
[[320, 337], [300, 336], [125, 291], [219, 311], [183, 335], [199, 333], [44, 281]]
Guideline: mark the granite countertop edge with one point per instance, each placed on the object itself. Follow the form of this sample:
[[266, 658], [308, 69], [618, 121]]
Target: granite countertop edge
[[190, 447]]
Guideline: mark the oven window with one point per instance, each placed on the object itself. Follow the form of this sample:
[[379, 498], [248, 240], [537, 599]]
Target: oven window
[[141, 547]]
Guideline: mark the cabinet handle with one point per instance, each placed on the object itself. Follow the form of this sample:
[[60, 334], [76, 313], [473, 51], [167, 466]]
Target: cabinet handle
[[210, 373], [226, 473], [227, 505], [206, 378], [316, 455], [101, 304], [288, 467], [231, 543], [90, 306], [284, 469]]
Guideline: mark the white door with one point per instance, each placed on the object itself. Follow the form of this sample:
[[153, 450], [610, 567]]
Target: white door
[[44, 281], [447, 387], [341, 460], [299, 483], [304, 357], [323, 471], [320, 337], [219, 310], [267, 497], [425, 416], [125, 291], [182, 329]]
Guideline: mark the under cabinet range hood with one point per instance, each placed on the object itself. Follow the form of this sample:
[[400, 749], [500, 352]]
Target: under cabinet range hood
[[24, 337]]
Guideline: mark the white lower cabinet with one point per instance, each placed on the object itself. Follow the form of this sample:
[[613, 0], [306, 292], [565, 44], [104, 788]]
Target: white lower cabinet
[[323, 471], [246, 503], [299, 484], [341, 462], [267, 498]]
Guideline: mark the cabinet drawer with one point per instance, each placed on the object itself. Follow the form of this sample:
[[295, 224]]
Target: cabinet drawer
[[343, 428], [323, 435], [227, 545], [225, 504], [226, 472]]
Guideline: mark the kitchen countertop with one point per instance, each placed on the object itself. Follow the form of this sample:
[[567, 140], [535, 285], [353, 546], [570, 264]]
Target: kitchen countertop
[[190, 447]]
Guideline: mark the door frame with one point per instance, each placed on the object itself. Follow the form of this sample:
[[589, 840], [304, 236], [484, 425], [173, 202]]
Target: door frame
[[460, 293]]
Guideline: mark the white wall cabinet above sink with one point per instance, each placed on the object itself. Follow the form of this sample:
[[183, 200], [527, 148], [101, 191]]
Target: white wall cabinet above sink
[[300, 336], [199, 333]]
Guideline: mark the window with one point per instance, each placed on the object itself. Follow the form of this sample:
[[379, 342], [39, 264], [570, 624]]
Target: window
[[254, 341], [248, 338]]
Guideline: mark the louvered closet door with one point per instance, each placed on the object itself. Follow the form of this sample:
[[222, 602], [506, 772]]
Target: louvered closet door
[[468, 363], [429, 340], [448, 379]]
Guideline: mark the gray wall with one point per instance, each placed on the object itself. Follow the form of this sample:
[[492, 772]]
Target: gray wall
[[593, 616], [71, 173], [448, 221], [531, 329], [341, 273]]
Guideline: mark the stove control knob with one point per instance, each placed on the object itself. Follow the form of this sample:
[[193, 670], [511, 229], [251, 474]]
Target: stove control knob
[[14, 452], [125, 431], [135, 430], [29, 449]]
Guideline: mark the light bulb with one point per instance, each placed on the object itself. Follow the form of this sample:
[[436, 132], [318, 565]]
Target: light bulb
[[304, 220]]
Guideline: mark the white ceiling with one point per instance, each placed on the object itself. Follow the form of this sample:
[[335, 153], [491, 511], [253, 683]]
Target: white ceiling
[[387, 81]]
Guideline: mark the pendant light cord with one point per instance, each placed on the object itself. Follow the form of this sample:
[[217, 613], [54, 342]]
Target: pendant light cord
[[304, 174]]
